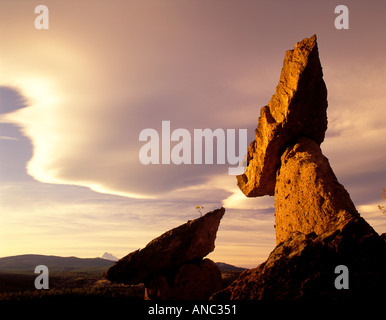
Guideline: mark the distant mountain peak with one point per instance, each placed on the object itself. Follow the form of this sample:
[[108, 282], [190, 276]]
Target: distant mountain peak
[[109, 256]]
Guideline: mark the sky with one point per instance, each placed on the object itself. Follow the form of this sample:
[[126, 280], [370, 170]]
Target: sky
[[75, 97]]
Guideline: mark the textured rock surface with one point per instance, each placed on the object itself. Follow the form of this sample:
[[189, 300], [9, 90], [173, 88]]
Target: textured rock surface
[[192, 240], [303, 267], [317, 224], [308, 197], [196, 280], [297, 109]]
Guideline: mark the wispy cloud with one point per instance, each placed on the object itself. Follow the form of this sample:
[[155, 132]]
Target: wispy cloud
[[8, 138], [83, 91]]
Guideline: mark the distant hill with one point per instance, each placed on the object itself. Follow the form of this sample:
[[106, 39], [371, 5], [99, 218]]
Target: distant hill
[[228, 267], [26, 264]]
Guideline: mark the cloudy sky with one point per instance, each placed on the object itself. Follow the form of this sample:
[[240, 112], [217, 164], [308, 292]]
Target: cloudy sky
[[74, 99]]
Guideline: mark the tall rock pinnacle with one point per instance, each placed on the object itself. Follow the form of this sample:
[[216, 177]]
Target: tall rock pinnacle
[[285, 159], [317, 225], [297, 109]]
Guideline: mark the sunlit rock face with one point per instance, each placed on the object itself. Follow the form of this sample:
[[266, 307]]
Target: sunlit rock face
[[308, 197], [285, 159], [317, 225], [297, 109]]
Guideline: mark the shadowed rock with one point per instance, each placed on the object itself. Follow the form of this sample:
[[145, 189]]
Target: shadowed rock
[[167, 259], [196, 280], [303, 267], [192, 240]]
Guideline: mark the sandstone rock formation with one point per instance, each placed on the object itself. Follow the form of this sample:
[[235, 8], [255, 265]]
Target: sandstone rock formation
[[308, 197], [317, 224], [303, 268], [171, 265], [297, 109]]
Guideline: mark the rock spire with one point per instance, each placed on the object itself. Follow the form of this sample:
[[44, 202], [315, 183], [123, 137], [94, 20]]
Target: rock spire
[[317, 225]]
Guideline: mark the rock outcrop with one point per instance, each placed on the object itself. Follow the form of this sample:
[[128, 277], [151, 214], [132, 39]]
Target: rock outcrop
[[303, 267], [195, 280], [308, 197], [172, 265], [297, 109], [317, 224]]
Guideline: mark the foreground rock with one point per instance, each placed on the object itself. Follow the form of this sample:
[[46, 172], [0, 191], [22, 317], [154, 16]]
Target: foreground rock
[[167, 262], [317, 225], [303, 268], [196, 280]]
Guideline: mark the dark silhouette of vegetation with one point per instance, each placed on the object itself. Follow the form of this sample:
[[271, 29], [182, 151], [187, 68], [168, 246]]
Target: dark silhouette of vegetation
[[17, 281], [199, 208], [79, 285], [132, 293], [383, 195]]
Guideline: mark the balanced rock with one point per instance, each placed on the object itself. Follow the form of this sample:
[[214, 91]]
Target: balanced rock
[[297, 109], [162, 263], [308, 197], [317, 225]]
